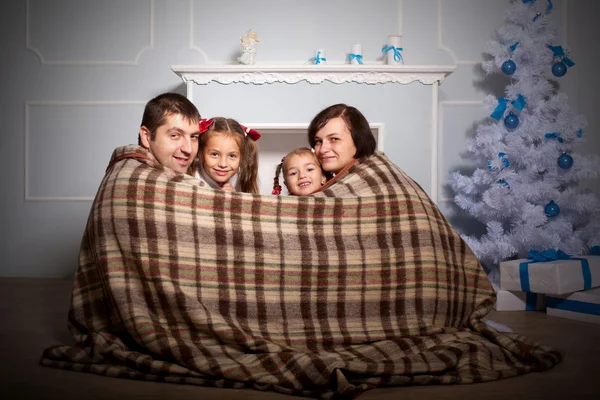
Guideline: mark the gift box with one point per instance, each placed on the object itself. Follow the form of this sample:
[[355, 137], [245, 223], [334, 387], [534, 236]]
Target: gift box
[[581, 306], [507, 300], [559, 276]]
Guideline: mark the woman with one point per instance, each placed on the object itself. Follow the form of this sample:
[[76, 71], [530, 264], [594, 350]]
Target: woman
[[340, 135]]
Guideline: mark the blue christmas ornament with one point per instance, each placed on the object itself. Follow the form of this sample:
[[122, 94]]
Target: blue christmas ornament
[[565, 161], [509, 67], [559, 69], [511, 121], [552, 209]]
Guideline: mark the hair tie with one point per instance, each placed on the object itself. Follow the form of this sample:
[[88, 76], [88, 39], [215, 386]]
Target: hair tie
[[205, 124], [254, 135]]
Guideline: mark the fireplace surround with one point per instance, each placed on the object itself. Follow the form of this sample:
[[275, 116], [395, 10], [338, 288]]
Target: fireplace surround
[[281, 136]]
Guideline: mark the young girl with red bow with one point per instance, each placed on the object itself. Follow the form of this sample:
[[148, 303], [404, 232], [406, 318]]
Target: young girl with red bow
[[227, 156]]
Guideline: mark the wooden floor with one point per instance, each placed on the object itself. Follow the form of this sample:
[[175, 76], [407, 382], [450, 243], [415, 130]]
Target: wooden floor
[[34, 313]]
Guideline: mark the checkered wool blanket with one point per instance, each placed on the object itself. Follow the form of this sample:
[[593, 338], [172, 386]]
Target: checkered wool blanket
[[363, 285]]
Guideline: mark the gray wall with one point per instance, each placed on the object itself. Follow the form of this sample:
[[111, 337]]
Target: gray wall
[[76, 74]]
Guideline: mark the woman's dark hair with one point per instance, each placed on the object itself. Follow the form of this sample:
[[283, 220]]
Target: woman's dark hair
[[357, 124]]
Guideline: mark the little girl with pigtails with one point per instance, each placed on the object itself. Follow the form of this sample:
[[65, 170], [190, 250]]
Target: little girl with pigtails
[[302, 173], [227, 156]]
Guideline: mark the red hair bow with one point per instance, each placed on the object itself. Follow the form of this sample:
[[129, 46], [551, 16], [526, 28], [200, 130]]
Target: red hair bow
[[205, 124], [254, 135]]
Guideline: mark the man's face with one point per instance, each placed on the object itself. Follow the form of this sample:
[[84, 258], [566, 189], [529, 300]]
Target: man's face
[[176, 142]]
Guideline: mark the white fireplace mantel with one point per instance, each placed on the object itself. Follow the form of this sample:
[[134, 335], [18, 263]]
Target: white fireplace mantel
[[260, 74], [370, 74]]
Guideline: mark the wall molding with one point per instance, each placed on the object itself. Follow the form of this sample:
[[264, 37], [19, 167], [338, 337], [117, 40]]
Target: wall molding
[[28, 104], [442, 46], [45, 61], [193, 46], [400, 4]]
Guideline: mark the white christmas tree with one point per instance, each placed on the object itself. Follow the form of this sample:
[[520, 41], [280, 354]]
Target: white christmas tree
[[525, 187]]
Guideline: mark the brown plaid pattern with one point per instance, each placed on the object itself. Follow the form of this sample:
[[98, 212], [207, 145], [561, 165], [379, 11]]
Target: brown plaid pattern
[[363, 285]]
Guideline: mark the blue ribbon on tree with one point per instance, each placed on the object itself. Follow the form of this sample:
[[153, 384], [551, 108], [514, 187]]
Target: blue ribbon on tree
[[358, 57], [502, 157], [317, 59], [519, 103], [513, 46], [554, 135], [533, 1], [500, 108], [560, 53], [580, 132], [397, 55], [552, 255]]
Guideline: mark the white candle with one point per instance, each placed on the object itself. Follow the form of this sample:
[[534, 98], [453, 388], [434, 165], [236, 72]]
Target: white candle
[[356, 50], [396, 41]]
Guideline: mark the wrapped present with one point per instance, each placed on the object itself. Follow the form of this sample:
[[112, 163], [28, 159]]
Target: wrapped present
[[581, 306], [550, 272], [507, 300]]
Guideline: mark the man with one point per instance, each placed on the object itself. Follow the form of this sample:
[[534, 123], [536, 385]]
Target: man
[[170, 131]]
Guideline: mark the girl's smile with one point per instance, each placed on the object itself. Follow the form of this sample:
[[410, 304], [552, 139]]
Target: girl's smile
[[221, 157]]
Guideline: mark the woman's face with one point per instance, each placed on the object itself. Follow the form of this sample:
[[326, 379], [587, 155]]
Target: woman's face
[[334, 145]]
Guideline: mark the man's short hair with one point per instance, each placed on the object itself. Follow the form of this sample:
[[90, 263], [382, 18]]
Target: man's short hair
[[157, 109]]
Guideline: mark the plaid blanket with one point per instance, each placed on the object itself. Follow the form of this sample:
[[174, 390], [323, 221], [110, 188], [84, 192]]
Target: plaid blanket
[[362, 285]]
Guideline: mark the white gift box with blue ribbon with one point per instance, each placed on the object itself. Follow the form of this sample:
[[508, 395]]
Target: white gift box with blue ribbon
[[580, 306], [507, 300], [559, 276]]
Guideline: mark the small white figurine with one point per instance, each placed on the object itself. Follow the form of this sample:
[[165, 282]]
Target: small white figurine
[[249, 43]]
